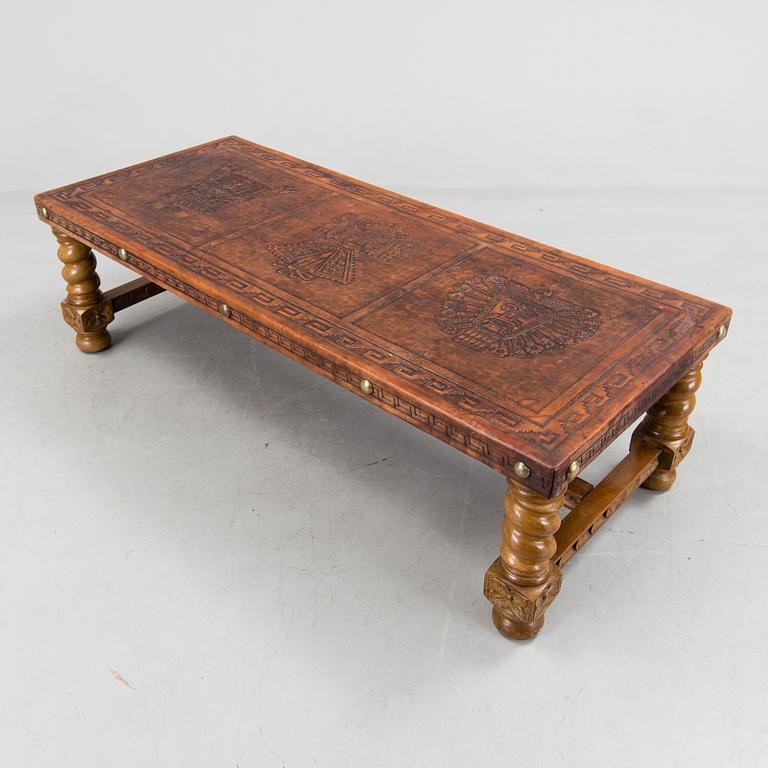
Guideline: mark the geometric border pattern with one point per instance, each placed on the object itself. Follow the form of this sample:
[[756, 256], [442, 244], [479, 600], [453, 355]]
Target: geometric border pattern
[[457, 435], [587, 406]]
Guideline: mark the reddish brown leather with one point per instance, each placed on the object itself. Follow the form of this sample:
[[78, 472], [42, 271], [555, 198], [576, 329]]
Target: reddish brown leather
[[505, 348]]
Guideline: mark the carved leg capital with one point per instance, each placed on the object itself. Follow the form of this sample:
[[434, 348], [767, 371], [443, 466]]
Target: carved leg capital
[[524, 580], [85, 309], [665, 427]]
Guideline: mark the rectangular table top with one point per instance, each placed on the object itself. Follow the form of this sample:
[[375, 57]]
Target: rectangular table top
[[508, 349]]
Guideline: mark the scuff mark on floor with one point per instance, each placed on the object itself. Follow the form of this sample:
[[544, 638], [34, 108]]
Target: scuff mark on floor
[[121, 679], [378, 461]]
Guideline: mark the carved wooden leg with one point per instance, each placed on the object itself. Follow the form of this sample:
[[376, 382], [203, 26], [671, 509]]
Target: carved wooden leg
[[665, 426], [525, 580], [85, 308]]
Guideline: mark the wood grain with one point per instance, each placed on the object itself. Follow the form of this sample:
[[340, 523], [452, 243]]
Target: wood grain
[[132, 293], [602, 501], [665, 427], [84, 308], [525, 579]]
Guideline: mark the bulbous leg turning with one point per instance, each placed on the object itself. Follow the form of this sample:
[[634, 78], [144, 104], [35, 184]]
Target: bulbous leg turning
[[665, 427], [524, 580], [515, 629], [84, 308]]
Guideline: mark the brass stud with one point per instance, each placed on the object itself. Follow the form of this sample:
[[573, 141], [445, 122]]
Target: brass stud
[[366, 387], [44, 212], [225, 310], [122, 253], [722, 332], [573, 469], [521, 470]]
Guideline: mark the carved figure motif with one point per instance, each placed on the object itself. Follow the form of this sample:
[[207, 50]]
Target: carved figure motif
[[335, 248], [495, 314], [225, 187]]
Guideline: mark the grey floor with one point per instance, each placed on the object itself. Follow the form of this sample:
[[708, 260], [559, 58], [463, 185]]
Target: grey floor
[[210, 556]]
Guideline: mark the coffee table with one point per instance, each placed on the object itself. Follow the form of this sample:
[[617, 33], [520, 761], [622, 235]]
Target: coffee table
[[525, 357]]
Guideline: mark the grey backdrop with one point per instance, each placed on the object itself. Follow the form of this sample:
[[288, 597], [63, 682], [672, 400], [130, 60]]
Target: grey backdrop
[[449, 94], [210, 556]]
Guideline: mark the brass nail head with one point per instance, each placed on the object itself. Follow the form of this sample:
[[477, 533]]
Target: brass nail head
[[122, 253], [225, 310], [722, 332], [521, 470], [366, 387], [44, 212], [573, 469]]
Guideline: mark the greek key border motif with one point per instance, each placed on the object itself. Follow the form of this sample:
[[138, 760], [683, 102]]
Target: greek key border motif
[[460, 437], [575, 414]]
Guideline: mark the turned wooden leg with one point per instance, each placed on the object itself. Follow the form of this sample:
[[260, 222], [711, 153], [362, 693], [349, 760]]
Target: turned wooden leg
[[665, 426], [524, 580], [85, 308]]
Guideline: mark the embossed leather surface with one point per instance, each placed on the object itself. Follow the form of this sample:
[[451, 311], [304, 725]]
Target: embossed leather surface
[[505, 348]]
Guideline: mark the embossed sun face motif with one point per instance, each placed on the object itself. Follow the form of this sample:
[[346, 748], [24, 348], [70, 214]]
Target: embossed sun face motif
[[506, 317], [333, 251], [498, 315]]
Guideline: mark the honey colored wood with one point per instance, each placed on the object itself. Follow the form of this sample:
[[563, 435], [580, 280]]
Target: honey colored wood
[[666, 428], [595, 507], [522, 356], [525, 580], [576, 491], [84, 308], [132, 293]]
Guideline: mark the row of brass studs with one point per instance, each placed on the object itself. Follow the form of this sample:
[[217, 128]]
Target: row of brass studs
[[521, 469]]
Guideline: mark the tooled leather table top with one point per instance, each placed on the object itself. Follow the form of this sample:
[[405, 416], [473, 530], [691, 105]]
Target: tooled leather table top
[[503, 347]]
